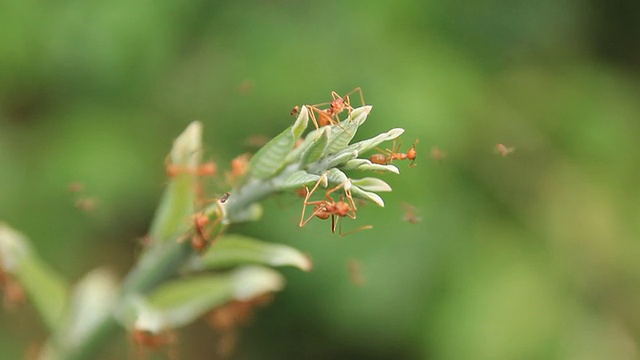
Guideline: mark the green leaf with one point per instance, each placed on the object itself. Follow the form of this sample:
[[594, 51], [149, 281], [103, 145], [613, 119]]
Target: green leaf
[[234, 250], [336, 176], [316, 148], [251, 212], [180, 302], [271, 158], [297, 180], [371, 184], [341, 135], [365, 145], [295, 154], [176, 206], [90, 303], [46, 289], [367, 195], [364, 164], [331, 161]]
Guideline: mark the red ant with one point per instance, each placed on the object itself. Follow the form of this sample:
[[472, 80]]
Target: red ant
[[389, 155], [203, 229], [503, 150], [337, 105], [323, 209]]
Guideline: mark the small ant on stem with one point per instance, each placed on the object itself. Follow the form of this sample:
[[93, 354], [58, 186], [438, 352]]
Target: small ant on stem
[[323, 209], [387, 156]]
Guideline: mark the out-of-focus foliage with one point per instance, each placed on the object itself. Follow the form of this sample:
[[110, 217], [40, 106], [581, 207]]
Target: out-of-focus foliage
[[532, 255]]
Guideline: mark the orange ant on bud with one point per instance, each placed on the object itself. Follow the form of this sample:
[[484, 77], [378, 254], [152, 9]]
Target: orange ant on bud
[[503, 150], [203, 228], [323, 209], [387, 156], [330, 115]]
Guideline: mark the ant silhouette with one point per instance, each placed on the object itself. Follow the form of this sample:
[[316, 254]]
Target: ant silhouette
[[387, 156]]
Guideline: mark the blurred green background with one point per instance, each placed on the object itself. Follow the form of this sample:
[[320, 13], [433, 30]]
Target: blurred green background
[[530, 256]]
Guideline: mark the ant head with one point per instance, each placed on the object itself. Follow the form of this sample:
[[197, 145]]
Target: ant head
[[295, 110], [412, 153], [338, 104]]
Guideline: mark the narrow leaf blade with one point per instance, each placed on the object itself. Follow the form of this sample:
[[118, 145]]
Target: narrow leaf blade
[[234, 250]]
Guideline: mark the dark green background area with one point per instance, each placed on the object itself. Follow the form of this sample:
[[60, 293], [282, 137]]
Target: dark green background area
[[530, 256]]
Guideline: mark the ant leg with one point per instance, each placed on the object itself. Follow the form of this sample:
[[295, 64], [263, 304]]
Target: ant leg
[[352, 203], [412, 154], [397, 149], [365, 227], [347, 193], [315, 212], [311, 109], [307, 197], [358, 90], [328, 119]]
